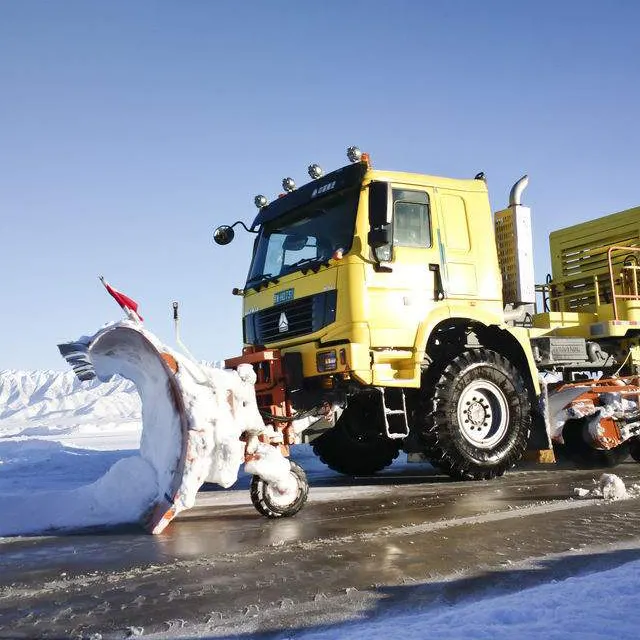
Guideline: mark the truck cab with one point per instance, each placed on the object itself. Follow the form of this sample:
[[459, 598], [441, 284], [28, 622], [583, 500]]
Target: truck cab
[[364, 286], [353, 271]]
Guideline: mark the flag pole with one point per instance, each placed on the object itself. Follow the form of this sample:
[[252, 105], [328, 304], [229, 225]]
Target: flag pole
[[128, 305]]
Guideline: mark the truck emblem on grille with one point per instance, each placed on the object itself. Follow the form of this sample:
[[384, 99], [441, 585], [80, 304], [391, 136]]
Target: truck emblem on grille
[[283, 323]]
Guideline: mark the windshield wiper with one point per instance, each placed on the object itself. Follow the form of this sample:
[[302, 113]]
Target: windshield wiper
[[313, 264], [265, 281]]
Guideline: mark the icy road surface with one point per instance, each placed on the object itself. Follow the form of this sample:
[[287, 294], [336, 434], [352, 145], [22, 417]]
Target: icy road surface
[[477, 559], [370, 549]]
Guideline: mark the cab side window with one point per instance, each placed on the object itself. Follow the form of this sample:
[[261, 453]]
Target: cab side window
[[411, 219]]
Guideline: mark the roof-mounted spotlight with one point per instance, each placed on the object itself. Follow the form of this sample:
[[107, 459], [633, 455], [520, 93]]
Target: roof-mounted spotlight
[[260, 201], [315, 171], [354, 154], [288, 185]]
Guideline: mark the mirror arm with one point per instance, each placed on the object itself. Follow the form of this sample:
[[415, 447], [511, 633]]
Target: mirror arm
[[244, 226]]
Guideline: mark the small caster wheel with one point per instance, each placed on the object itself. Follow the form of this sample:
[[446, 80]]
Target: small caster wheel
[[272, 503]]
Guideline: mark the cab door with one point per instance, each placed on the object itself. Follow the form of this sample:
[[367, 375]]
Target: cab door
[[406, 288]]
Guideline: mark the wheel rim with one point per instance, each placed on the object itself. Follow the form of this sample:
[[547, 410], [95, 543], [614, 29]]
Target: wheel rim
[[483, 414], [285, 496]]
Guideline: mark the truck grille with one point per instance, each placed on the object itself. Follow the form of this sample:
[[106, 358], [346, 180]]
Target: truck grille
[[291, 319]]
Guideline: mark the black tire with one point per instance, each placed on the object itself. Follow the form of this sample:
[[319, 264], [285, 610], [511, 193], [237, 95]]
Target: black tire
[[357, 444], [582, 454], [634, 448], [475, 415], [265, 498]]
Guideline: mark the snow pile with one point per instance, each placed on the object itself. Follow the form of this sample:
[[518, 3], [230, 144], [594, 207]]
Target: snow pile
[[609, 487], [121, 495]]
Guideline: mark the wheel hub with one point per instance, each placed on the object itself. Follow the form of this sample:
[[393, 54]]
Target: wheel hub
[[483, 414], [478, 412]]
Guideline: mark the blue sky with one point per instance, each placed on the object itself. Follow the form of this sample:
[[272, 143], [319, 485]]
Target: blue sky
[[128, 131]]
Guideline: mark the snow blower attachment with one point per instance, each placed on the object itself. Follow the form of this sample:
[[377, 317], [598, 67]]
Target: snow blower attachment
[[199, 423], [597, 422]]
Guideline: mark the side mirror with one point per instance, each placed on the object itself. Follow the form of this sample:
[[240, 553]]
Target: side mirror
[[223, 235], [379, 204], [379, 237]]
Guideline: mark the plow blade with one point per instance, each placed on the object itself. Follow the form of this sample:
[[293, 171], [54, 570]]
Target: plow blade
[[193, 416]]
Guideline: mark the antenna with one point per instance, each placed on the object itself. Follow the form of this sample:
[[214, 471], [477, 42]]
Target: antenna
[[176, 324]]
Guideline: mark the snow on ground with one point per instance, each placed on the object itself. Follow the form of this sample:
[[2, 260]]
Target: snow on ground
[[58, 436], [597, 606]]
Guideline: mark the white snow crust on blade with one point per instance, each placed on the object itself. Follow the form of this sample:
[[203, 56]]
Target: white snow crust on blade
[[134, 354], [192, 422], [609, 487], [223, 404]]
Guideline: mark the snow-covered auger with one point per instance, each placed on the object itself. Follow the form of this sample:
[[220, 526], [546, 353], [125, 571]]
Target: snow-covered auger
[[200, 423]]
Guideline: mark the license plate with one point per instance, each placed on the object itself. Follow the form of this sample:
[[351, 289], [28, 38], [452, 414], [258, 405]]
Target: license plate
[[283, 296]]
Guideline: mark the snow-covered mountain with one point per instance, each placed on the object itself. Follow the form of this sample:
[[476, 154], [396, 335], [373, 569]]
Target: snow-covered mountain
[[58, 399]]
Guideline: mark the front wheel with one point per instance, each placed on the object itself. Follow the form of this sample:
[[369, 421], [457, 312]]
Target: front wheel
[[357, 445], [475, 415], [274, 503]]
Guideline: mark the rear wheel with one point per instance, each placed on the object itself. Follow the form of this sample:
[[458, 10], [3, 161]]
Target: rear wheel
[[475, 415], [274, 503], [634, 448], [357, 445], [581, 453]]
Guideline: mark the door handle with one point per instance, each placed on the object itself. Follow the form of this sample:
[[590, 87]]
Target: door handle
[[438, 289]]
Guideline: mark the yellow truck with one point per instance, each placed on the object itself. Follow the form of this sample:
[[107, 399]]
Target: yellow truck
[[387, 311]]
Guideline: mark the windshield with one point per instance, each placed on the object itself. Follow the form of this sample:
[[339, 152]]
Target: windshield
[[308, 235]]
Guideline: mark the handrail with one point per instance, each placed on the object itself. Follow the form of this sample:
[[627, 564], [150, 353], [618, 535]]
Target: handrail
[[558, 291], [614, 295]]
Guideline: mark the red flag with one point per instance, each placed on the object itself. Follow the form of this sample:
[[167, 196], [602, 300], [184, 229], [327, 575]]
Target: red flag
[[130, 306]]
